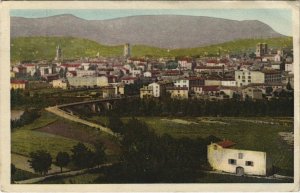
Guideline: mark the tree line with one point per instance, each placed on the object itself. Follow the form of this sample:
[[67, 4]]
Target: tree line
[[26, 118], [150, 158], [81, 157], [196, 107]]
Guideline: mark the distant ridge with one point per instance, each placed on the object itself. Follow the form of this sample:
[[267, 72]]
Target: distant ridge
[[43, 48], [163, 31]]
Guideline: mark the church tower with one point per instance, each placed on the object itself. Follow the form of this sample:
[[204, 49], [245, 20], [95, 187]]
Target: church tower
[[126, 52], [58, 56]]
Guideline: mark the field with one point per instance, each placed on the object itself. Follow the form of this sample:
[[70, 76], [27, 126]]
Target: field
[[55, 134], [260, 134], [39, 48]]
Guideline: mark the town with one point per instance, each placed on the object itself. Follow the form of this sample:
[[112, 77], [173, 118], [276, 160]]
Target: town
[[87, 98], [264, 75]]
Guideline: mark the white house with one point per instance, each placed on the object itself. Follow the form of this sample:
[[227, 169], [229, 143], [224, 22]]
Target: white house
[[228, 82], [156, 89], [147, 74], [245, 77], [59, 83], [182, 83], [289, 67], [82, 73], [222, 157], [185, 64]]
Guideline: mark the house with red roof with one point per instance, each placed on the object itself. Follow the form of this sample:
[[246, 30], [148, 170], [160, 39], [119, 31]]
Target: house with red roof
[[129, 80], [18, 84], [223, 156]]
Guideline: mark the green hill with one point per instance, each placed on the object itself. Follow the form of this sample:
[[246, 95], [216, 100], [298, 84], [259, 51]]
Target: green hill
[[43, 48]]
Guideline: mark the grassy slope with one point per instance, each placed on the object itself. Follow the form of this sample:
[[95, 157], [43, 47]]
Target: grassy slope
[[37, 48], [27, 139]]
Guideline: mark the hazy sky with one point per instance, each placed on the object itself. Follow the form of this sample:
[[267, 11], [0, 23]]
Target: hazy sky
[[279, 19]]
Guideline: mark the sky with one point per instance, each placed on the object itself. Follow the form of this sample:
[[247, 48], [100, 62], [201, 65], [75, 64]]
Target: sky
[[279, 19]]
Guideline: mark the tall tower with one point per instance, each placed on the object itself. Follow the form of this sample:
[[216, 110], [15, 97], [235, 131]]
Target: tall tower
[[265, 48], [126, 52], [261, 49], [58, 56]]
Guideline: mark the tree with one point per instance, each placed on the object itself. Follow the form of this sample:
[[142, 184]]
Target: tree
[[13, 169], [99, 154], [82, 156], [289, 86], [40, 161], [62, 159], [115, 123]]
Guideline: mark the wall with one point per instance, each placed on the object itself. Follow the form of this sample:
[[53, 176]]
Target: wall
[[218, 160]]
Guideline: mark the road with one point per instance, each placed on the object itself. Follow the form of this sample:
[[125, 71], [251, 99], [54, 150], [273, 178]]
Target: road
[[64, 174], [57, 111]]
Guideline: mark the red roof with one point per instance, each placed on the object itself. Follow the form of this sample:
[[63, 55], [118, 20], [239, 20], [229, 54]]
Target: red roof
[[29, 65], [194, 78], [177, 88], [210, 88], [209, 67], [71, 65], [18, 81], [73, 72], [212, 61], [21, 67], [226, 143], [129, 78]]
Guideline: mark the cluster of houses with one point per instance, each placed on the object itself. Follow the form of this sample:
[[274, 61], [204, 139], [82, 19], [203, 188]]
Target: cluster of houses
[[213, 78]]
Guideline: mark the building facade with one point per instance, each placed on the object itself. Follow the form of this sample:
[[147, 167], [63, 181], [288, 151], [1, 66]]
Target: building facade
[[223, 158]]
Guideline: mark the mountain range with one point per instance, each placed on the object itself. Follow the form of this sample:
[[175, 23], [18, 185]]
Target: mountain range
[[163, 31]]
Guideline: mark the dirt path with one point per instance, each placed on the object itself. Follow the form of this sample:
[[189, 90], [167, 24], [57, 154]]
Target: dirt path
[[22, 163], [55, 110], [64, 174], [273, 177]]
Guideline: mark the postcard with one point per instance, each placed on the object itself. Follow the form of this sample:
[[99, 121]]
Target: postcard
[[149, 96]]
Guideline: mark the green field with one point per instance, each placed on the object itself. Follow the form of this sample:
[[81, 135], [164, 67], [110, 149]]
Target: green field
[[31, 138], [23, 175], [260, 134], [43, 48]]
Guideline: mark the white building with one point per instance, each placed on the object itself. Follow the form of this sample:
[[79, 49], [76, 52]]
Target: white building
[[185, 64], [147, 74], [136, 72], [289, 67], [81, 73], [228, 82], [88, 81], [223, 158], [182, 83], [245, 77], [59, 83], [156, 89]]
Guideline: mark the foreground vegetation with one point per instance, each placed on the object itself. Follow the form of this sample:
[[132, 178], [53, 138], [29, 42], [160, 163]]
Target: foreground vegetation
[[39, 48], [39, 135]]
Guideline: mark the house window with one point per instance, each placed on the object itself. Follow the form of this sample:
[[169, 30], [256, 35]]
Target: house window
[[249, 163], [215, 147], [232, 161], [240, 155]]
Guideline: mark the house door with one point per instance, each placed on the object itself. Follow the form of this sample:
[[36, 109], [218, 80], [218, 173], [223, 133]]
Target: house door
[[240, 171]]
